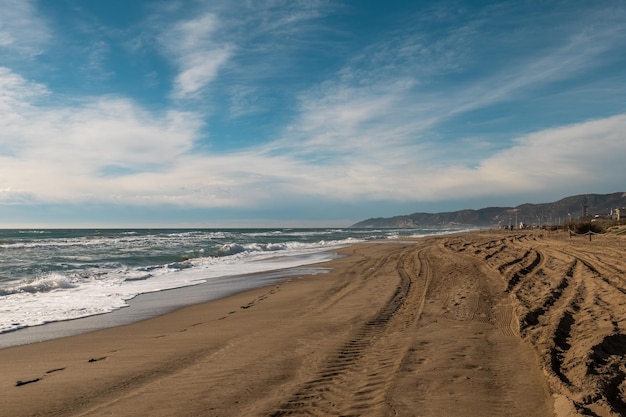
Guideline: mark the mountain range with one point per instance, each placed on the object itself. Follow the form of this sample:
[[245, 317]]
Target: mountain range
[[559, 212]]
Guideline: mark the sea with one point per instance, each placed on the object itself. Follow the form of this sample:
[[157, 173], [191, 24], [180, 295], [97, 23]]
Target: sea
[[55, 275]]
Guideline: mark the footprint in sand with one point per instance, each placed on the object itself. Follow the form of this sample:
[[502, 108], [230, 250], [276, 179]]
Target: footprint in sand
[[29, 381], [20, 382]]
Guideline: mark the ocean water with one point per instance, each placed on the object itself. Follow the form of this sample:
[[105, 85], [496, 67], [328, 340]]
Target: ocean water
[[56, 275]]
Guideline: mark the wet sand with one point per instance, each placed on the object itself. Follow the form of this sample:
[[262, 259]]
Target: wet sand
[[476, 324]]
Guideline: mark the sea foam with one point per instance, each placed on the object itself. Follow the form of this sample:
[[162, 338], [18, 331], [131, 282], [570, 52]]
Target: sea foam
[[56, 275]]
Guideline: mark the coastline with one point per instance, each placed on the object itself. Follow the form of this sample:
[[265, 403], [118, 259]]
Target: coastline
[[489, 322], [59, 275], [153, 304]]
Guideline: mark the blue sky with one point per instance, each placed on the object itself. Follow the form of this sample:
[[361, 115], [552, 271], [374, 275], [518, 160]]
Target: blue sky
[[303, 113]]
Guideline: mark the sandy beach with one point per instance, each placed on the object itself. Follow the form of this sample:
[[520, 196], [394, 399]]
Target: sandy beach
[[490, 323]]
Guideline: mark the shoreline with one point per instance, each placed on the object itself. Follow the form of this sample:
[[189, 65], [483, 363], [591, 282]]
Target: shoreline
[[523, 323], [153, 304]]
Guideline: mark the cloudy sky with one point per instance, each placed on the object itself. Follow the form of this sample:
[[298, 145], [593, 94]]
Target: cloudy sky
[[303, 113]]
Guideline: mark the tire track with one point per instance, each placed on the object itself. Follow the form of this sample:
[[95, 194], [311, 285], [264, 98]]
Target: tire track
[[572, 317], [526, 270], [340, 293], [356, 379], [568, 299], [532, 317], [479, 300]]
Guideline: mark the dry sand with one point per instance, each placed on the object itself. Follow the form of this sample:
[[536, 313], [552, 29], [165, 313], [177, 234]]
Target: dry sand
[[477, 324]]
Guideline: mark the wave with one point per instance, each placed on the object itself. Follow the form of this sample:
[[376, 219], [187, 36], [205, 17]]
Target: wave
[[47, 283], [227, 254], [82, 273], [116, 240], [229, 249], [138, 277], [237, 248]]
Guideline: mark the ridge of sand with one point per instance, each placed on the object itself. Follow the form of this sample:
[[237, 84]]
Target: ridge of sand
[[474, 324]]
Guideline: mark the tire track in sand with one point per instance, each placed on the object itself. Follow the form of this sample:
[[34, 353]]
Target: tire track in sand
[[570, 296], [356, 379]]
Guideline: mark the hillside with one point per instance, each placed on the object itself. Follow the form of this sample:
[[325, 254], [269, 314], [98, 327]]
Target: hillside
[[558, 212]]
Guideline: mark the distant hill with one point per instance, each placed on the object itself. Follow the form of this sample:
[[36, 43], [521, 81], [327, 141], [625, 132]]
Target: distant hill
[[558, 212]]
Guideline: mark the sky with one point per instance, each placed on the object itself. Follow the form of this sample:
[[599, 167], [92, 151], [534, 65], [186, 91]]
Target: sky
[[307, 113]]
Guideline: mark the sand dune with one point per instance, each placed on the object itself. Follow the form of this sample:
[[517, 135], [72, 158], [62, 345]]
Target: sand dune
[[475, 324]]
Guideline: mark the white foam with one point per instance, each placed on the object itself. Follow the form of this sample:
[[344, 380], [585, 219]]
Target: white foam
[[57, 297], [46, 283], [100, 284]]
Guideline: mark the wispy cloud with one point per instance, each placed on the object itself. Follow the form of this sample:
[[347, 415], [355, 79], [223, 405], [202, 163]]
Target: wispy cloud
[[111, 150], [373, 129], [197, 51], [398, 91], [23, 32], [238, 47]]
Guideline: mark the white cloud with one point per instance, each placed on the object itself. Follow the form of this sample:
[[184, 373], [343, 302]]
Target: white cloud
[[369, 133], [110, 150], [198, 70], [14, 87], [378, 140], [284, 17], [63, 153], [22, 31], [357, 121], [192, 44], [239, 46], [584, 156]]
